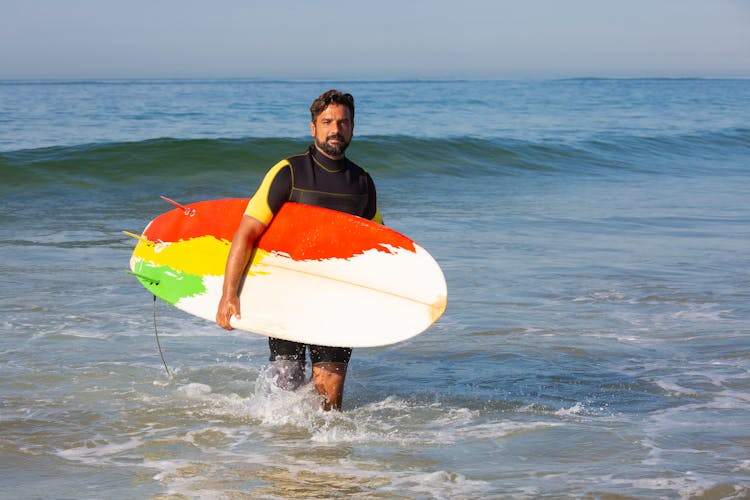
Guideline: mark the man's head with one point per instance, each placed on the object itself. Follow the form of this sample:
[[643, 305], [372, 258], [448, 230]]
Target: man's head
[[332, 122]]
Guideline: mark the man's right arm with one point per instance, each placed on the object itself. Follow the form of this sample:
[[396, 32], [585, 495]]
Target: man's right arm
[[273, 191], [239, 254]]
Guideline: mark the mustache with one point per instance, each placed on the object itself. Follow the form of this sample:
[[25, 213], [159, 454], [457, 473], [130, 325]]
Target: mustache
[[336, 136]]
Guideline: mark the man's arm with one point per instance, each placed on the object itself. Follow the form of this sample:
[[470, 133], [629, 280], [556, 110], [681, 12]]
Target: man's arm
[[239, 253]]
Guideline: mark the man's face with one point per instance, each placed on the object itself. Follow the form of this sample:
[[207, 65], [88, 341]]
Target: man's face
[[333, 130]]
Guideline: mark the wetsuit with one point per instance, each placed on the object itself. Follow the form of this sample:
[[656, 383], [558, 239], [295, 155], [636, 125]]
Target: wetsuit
[[312, 178]]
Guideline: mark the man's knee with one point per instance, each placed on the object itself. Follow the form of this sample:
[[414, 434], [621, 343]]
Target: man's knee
[[287, 374]]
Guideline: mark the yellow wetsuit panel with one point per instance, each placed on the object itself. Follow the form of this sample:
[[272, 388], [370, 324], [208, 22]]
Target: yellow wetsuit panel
[[258, 207]]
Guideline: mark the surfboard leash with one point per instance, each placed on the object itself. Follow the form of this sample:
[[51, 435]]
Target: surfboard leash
[[152, 281], [158, 344]]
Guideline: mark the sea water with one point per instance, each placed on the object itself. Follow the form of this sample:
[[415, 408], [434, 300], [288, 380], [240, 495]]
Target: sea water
[[595, 237]]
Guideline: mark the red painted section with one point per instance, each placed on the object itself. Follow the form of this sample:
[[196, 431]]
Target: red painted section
[[302, 231], [219, 218]]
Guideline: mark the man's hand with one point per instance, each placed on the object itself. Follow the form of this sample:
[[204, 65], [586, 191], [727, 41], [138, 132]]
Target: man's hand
[[228, 307], [239, 253]]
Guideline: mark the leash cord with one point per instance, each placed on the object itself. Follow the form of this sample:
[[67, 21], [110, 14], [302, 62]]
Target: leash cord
[[158, 344]]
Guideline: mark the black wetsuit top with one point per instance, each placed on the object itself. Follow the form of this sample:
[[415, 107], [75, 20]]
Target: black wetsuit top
[[312, 178]]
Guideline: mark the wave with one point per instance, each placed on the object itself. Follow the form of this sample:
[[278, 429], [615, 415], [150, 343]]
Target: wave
[[205, 159]]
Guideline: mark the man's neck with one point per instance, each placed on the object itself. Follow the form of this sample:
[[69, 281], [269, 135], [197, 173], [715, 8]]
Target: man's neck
[[328, 163]]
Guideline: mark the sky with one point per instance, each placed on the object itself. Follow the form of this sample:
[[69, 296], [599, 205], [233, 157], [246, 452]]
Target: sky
[[373, 39]]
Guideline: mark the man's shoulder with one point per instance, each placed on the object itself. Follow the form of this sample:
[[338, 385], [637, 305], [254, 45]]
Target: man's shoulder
[[296, 157], [351, 164], [354, 167]]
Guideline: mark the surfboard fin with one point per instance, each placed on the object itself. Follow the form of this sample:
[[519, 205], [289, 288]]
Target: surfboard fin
[[145, 278], [188, 211], [139, 238]]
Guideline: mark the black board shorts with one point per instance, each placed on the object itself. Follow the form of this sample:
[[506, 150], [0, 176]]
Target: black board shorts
[[295, 351]]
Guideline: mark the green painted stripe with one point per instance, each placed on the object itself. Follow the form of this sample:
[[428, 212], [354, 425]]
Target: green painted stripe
[[167, 283]]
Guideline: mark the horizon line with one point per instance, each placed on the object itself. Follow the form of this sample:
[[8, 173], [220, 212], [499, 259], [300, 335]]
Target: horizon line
[[352, 80]]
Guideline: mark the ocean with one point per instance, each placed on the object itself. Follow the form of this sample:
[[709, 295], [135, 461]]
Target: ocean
[[594, 234]]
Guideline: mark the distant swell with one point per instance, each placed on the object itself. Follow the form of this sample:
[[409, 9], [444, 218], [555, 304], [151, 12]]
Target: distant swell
[[203, 160]]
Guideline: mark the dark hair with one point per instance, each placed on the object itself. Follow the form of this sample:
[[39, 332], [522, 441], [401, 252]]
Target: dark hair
[[331, 97]]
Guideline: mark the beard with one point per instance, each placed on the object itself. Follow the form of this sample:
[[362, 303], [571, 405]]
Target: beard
[[333, 149]]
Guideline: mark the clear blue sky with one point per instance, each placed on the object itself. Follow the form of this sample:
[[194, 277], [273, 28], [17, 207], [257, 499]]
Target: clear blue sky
[[379, 39]]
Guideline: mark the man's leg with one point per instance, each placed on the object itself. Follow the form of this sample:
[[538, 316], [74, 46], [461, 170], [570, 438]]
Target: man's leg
[[329, 366], [329, 382], [287, 363]]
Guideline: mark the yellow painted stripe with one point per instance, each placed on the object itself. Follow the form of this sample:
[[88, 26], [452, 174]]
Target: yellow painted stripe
[[201, 256]]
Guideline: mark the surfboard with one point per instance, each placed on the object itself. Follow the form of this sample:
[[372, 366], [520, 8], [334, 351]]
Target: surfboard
[[315, 276]]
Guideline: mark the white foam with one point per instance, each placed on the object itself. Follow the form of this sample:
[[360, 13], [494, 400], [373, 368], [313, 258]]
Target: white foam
[[701, 313], [183, 478], [439, 484], [270, 405], [391, 421], [602, 296], [195, 390], [674, 389], [685, 484], [98, 451], [576, 409]]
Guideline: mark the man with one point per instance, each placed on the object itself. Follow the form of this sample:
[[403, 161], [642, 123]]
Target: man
[[324, 177]]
